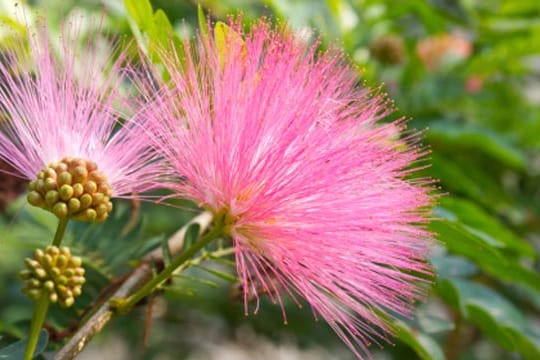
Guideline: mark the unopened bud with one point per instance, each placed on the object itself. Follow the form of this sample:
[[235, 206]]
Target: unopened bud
[[54, 273], [72, 187]]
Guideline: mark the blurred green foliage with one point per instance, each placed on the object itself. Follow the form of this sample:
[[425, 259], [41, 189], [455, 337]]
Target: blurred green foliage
[[468, 71]]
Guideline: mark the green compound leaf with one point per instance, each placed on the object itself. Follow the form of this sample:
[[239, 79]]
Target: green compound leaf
[[191, 235], [479, 140], [497, 317], [490, 257], [484, 225], [16, 350], [424, 345]]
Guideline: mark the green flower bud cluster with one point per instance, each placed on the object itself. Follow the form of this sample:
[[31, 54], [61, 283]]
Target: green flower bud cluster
[[55, 273], [73, 188]]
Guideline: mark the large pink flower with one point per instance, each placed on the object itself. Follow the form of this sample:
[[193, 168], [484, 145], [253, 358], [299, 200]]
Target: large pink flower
[[59, 113], [281, 139]]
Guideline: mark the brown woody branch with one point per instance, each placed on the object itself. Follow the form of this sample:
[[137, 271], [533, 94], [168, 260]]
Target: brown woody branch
[[136, 279]]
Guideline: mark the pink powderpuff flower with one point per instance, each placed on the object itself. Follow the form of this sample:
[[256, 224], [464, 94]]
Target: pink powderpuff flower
[[280, 140], [61, 129]]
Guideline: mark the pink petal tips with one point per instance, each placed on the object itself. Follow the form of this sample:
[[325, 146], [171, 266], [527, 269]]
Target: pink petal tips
[[61, 125], [318, 192]]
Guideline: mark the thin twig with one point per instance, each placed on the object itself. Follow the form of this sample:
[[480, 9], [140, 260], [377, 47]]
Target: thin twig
[[137, 278]]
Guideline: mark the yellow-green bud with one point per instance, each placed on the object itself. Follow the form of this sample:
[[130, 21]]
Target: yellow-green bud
[[90, 187], [34, 198], [50, 184], [53, 297], [78, 189], [60, 209], [72, 187], [74, 205], [64, 178], [66, 192], [54, 273], [51, 197]]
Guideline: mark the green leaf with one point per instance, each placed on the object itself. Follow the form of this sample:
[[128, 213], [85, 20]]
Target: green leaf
[[197, 280], [485, 225], [163, 29], [477, 139], [453, 266], [16, 350], [226, 38], [141, 12], [191, 235], [167, 257], [424, 345], [460, 240], [203, 22], [219, 274], [498, 318], [466, 179]]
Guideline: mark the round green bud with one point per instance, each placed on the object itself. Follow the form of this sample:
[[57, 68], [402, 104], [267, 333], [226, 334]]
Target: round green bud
[[86, 201], [50, 173], [34, 198], [38, 254], [40, 186], [48, 285], [78, 189], [68, 302], [53, 297], [31, 263], [64, 178], [62, 261], [50, 184], [66, 192], [52, 250], [32, 185], [55, 272], [51, 197], [76, 262], [47, 261], [97, 198], [25, 274], [90, 215], [90, 187], [74, 205], [69, 272], [34, 283], [60, 209], [39, 273]]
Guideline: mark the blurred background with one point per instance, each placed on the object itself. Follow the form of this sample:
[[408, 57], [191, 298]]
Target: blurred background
[[466, 72]]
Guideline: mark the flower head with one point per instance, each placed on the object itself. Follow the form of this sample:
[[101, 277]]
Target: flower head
[[61, 129], [281, 142], [438, 50]]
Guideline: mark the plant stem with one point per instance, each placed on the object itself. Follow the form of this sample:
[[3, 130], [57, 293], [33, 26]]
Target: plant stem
[[60, 230], [42, 305], [40, 311], [124, 305]]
